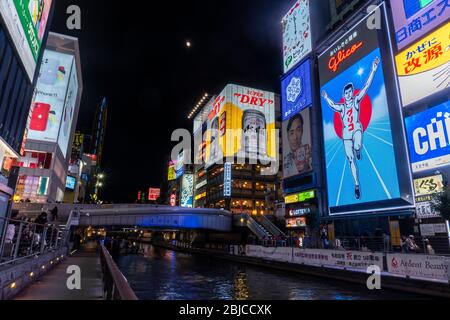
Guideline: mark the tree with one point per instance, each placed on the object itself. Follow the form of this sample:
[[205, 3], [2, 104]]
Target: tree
[[441, 203]]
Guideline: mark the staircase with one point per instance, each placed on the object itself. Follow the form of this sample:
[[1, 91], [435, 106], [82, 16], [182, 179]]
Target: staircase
[[269, 226], [245, 220]]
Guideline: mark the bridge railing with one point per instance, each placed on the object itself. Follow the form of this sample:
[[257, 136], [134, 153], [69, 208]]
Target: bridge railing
[[115, 285], [22, 239]]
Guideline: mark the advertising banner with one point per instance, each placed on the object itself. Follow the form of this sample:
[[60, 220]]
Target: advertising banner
[[297, 145], [359, 147], [419, 266], [277, 254], [423, 69], [338, 259], [187, 191], [297, 40], [415, 18], [429, 138], [154, 194], [26, 22], [429, 185], [48, 105], [296, 223], [296, 91], [171, 175], [69, 111], [242, 123]]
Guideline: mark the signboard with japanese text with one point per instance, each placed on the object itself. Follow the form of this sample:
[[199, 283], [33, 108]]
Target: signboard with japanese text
[[227, 180], [26, 22], [154, 194], [428, 134], [429, 185], [241, 124], [297, 40], [296, 91], [363, 169], [187, 191], [423, 68], [415, 18]]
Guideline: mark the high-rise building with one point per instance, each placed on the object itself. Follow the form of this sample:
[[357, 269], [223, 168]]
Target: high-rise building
[[43, 174], [236, 153], [19, 58]]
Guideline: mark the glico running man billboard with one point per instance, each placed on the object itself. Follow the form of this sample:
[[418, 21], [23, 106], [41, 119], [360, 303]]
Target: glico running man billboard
[[242, 124], [429, 138], [360, 150]]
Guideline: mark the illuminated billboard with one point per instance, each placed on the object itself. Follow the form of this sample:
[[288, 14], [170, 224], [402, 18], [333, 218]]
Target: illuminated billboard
[[429, 138], [360, 151], [26, 22], [297, 145], [71, 182], [297, 41], [171, 175], [48, 104], [154, 194], [415, 18], [424, 68], [68, 113], [296, 91], [187, 191], [241, 123]]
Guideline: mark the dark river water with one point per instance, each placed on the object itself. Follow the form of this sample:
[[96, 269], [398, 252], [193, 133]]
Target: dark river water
[[162, 274]]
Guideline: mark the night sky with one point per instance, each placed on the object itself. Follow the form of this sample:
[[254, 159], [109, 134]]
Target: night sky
[[137, 57]]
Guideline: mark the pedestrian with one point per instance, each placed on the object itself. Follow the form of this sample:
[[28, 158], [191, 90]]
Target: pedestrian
[[386, 242], [10, 233], [428, 248], [54, 214], [404, 245], [412, 246]]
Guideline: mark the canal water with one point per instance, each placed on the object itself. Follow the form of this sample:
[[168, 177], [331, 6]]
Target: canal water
[[162, 274]]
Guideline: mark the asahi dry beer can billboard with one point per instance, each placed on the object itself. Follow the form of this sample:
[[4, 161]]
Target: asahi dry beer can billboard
[[242, 124]]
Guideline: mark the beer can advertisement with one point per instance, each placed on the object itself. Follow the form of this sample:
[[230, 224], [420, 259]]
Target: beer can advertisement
[[415, 18], [296, 91], [423, 69], [297, 40], [360, 152], [429, 138], [242, 124], [297, 145], [49, 103], [26, 22]]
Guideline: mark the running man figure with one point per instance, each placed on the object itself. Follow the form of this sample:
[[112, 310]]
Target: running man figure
[[352, 132]]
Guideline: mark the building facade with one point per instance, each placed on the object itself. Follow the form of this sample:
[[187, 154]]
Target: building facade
[[51, 123]]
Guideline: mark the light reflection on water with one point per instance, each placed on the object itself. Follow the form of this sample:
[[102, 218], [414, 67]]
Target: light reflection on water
[[166, 275]]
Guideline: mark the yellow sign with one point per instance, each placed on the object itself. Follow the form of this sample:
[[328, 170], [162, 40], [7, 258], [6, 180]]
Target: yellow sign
[[172, 174], [242, 120], [429, 185], [200, 196], [422, 68], [291, 199]]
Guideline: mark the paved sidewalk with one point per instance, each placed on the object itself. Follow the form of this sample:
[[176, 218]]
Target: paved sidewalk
[[52, 286]]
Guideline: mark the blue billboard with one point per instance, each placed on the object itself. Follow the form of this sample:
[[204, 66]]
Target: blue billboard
[[364, 149], [71, 183], [296, 91], [429, 138]]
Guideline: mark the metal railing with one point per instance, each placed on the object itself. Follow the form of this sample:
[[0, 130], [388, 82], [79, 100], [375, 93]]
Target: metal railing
[[115, 285], [23, 239], [424, 245]]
